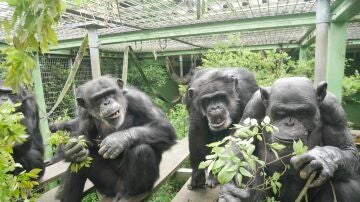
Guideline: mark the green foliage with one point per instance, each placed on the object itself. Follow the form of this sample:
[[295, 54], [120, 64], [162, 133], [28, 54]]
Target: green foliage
[[178, 117], [91, 197], [167, 191], [351, 88], [13, 187], [18, 66], [29, 30], [62, 138], [233, 157], [154, 72], [269, 65]]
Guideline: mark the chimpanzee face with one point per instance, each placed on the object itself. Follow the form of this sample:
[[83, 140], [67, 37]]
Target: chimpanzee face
[[217, 101], [293, 106], [5, 94], [103, 98]]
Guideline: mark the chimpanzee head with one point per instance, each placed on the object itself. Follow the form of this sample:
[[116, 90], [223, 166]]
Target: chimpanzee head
[[214, 94], [293, 106], [103, 98], [7, 95]]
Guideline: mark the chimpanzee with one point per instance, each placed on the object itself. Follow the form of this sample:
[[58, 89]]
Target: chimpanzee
[[30, 153], [126, 136], [301, 111], [215, 100]]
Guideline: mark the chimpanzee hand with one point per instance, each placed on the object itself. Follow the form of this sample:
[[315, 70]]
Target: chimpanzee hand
[[325, 160], [53, 127], [115, 143], [74, 151], [230, 193]]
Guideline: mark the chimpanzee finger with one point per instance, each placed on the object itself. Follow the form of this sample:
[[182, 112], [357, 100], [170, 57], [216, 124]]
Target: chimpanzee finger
[[81, 154], [309, 168], [103, 149], [300, 160], [324, 175], [115, 153], [83, 157], [70, 145], [231, 198], [108, 153], [238, 192], [73, 150]]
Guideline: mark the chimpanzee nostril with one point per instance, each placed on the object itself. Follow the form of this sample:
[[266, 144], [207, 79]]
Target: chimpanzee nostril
[[290, 122]]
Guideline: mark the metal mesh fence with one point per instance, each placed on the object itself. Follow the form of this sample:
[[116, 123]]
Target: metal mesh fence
[[54, 72]]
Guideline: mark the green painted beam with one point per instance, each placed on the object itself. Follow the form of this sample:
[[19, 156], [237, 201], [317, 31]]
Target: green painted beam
[[200, 29], [336, 57], [205, 50], [39, 94], [345, 10], [302, 52], [309, 37]]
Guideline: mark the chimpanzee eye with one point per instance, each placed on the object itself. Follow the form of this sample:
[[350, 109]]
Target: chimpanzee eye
[[280, 113]]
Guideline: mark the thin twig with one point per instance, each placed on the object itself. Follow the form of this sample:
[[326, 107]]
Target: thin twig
[[306, 187], [333, 191]]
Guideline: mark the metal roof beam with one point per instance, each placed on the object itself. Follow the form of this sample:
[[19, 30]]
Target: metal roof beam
[[345, 10], [297, 20]]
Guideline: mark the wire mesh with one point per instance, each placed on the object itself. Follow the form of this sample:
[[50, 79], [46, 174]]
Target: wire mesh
[[54, 72]]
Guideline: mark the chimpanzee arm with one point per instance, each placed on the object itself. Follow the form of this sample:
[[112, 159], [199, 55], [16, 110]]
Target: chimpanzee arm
[[70, 125], [255, 108], [154, 129], [336, 135], [30, 154]]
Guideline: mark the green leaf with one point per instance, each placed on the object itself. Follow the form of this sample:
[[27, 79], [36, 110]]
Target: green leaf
[[250, 149], [245, 172], [214, 144], [275, 152], [238, 179], [204, 164], [259, 137], [225, 176], [219, 163], [299, 147], [266, 120], [277, 146]]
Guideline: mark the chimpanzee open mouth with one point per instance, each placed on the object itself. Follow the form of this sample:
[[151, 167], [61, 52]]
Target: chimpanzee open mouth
[[113, 115], [217, 124]]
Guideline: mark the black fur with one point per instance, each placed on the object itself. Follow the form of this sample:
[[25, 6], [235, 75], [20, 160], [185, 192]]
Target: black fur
[[30, 153], [215, 100], [143, 134], [302, 111]]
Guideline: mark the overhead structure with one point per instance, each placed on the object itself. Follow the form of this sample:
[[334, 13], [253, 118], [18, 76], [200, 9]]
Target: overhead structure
[[178, 27], [183, 25]]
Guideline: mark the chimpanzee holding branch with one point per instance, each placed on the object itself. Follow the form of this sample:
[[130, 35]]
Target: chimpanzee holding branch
[[30, 153], [301, 111], [127, 135], [215, 100]]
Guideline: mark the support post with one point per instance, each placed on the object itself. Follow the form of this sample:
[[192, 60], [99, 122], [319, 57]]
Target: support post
[[94, 51], [321, 44], [39, 94], [181, 66], [336, 57], [125, 65], [302, 52]]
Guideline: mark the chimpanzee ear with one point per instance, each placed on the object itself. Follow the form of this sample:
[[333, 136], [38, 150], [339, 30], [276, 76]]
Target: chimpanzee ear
[[81, 102], [190, 92], [120, 83], [321, 91], [265, 94]]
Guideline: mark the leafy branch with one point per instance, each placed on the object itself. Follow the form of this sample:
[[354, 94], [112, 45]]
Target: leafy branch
[[13, 187], [30, 30], [63, 137], [233, 158]]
